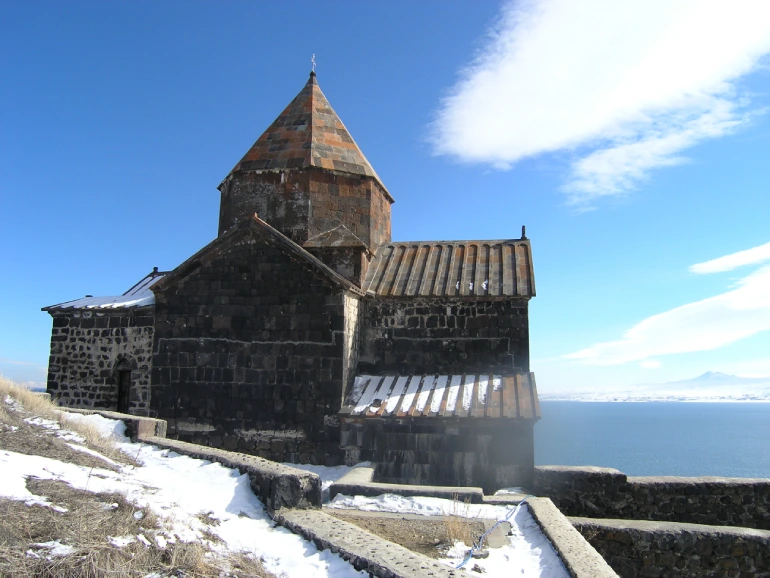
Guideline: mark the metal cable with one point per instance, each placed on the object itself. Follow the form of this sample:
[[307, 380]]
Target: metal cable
[[478, 545]]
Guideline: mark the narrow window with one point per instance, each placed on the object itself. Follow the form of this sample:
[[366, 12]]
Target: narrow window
[[124, 387]]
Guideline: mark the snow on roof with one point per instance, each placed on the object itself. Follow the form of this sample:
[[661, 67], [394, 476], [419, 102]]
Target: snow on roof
[[473, 396], [139, 295]]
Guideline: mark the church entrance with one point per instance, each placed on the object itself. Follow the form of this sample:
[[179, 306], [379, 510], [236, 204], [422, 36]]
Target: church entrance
[[124, 389]]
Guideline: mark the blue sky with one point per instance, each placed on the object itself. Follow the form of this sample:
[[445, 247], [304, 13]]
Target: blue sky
[[632, 139]]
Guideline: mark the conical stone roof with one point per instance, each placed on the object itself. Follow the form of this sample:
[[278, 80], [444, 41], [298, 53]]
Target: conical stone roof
[[308, 133]]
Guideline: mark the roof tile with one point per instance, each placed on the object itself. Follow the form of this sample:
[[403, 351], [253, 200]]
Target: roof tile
[[452, 268], [309, 122]]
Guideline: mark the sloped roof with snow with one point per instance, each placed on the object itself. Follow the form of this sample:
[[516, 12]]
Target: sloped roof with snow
[[139, 295], [457, 396]]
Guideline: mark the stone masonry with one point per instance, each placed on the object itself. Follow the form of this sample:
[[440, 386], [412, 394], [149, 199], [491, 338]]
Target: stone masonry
[[445, 335], [304, 203], [643, 549], [608, 493], [89, 347], [256, 364]]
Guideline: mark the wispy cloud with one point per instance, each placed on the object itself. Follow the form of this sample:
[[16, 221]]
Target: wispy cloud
[[624, 86], [751, 256], [700, 326]]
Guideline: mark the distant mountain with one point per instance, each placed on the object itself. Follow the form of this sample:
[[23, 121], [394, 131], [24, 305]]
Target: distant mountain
[[715, 378], [711, 386]]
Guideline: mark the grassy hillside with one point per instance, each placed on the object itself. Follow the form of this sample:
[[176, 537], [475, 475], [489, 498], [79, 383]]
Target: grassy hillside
[[50, 529]]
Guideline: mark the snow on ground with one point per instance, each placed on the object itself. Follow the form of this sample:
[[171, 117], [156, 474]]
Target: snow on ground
[[179, 489], [54, 549], [328, 474], [529, 553]]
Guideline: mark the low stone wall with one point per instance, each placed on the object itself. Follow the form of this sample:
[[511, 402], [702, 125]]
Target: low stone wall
[[137, 427], [608, 493], [579, 558], [278, 486], [364, 550], [358, 482], [650, 549]]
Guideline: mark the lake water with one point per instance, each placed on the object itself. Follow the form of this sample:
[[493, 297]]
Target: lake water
[[649, 438]]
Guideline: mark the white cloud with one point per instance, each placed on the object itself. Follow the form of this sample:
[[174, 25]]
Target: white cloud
[[650, 364], [700, 326], [625, 86], [751, 256]]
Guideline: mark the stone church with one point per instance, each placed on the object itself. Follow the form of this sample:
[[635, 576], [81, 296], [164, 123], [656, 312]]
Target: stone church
[[304, 334]]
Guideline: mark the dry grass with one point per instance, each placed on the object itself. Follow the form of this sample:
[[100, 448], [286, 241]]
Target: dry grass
[[422, 534], [89, 519], [458, 524], [36, 405]]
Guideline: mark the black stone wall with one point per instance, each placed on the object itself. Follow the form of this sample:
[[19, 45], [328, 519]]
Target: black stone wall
[[444, 335], [87, 346], [490, 453], [350, 262], [249, 355], [638, 549], [304, 203], [608, 493]]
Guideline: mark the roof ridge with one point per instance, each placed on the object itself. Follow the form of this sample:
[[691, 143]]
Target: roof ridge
[[452, 242], [242, 228]]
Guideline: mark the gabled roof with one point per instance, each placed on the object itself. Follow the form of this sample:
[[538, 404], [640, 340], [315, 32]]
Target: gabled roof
[[435, 396], [308, 133], [452, 269], [139, 295], [339, 236], [253, 226]]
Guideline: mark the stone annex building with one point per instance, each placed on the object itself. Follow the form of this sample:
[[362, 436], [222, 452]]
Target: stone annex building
[[304, 334]]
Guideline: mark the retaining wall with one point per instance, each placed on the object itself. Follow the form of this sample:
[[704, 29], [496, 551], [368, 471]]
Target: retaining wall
[[137, 427], [608, 493], [651, 549], [579, 558]]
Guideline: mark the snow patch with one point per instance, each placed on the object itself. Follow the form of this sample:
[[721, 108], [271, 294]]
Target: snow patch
[[528, 553], [178, 489], [55, 549], [109, 428], [93, 453], [120, 541]]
